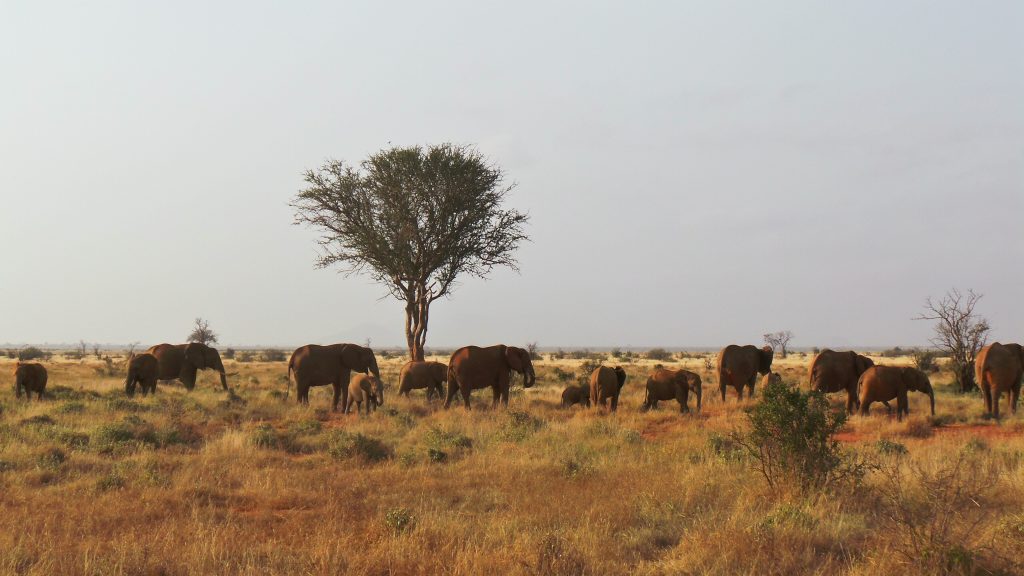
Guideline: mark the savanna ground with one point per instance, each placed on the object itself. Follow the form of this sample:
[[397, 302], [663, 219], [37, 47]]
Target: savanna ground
[[206, 482]]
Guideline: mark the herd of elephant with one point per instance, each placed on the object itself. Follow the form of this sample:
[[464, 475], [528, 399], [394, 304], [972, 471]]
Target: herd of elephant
[[998, 368]]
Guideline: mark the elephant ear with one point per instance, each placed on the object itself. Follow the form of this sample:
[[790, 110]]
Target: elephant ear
[[514, 357], [767, 355], [195, 353], [861, 363], [353, 358], [620, 374]]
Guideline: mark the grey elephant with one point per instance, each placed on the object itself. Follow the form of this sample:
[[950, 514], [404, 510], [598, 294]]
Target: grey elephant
[[606, 383], [884, 383], [675, 385], [30, 377], [314, 365], [143, 369], [182, 361]]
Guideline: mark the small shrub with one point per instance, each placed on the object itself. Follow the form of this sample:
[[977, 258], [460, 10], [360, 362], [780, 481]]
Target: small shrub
[[519, 426], [229, 353], [659, 354], [791, 438], [890, 448], [245, 356], [110, 481], [33, 353], [563, 375], [399, 520], [925, 360], [37, 420], [51, 459], [443, 445], [273, 355], [71, 408], [306, 428], [265, 436], [343, 445]]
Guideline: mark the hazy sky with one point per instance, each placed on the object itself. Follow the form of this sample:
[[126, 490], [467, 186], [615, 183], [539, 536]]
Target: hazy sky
[[697, 173]]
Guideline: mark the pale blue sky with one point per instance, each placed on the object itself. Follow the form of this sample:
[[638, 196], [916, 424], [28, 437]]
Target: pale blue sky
[[697, 173]]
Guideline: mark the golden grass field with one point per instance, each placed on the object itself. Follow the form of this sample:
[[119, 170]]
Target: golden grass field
[[92, 482]]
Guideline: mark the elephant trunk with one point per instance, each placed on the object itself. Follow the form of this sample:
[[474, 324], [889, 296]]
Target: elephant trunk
[[529, 378], [647, 399], [931, 397], [128, 381]]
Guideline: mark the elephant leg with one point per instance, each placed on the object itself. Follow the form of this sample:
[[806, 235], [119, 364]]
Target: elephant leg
[[995, 403], [851, 402], [302, 393], [453, 388], [722, 389], [337, 395], [615, 402], [496, 393], [464, 390], [865, 407], [901, 406], [987, 395]]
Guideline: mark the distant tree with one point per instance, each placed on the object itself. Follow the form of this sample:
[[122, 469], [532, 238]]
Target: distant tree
[[130, 351], [532, 350], [414, 219], [958, 331], [779, 341], [202, 333]]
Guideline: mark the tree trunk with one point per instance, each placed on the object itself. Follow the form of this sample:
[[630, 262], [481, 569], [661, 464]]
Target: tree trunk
[[965, 376], [417, 312]]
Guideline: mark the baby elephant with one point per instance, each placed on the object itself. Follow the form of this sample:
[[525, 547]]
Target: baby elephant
[[364, 387], [575, 395], [142, 369], [429, 375], [31, 377], [672, 385], [884, 383], [771, 378]]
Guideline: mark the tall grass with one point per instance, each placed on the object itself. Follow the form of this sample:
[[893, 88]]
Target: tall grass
[[207, 483]]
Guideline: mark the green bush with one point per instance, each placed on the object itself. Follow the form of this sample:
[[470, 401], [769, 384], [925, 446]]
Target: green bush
[[33, 353], [791, 439], [399, 520], [519, 426], [659, 354], [890, 448], [342, 445]]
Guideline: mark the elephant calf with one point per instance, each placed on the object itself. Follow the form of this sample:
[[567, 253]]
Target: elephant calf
[[143, 369], [365, 387], [30, 377], [419, 375], [575, 395], [884, 383], [771, 378], [672, 385]]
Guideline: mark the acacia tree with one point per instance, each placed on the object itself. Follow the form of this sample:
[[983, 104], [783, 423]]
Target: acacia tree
[[414, 219], [779, 340], [202, 333], [958, 331]]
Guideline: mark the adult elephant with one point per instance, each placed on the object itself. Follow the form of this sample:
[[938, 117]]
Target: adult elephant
[[182, 361], [738, 366], [833, 371], [30, 377], [143, 369], [606, 383], [675, 385], [998, 368], [419, 375], [313, 365], [472, 368], [884, 383]]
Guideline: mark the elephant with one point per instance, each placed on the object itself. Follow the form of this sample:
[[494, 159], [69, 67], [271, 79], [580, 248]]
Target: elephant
[[182, 361], [416, 375], [575, 395], [833, 371], [31, 377], [738, 366], [364, 387], [313, 365], [675, 385], [998, 368], [884, 383], [606, 383], [142, 369], [472, 368], [771, 378]]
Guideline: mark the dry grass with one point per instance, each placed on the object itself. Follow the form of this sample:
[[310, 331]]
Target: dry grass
[[204, 483]]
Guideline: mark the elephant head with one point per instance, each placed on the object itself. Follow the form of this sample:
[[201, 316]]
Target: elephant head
[[203, 357], [764, 360], [518, 359], [861, 363], [694, 383], [360, 359], [375, 391], [620, 375], [915, 379]]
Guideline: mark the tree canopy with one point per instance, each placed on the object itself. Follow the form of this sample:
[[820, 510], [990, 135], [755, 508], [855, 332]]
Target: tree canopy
[[415, 219]]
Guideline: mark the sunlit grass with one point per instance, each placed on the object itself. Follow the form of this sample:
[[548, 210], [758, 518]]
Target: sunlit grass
[[251, 483]]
